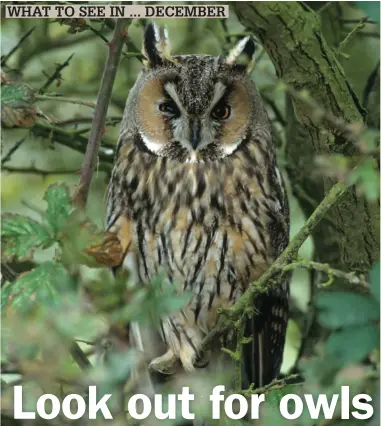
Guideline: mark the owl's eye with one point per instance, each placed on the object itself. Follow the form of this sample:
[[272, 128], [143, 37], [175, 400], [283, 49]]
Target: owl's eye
[[170, 108], [221, 112]]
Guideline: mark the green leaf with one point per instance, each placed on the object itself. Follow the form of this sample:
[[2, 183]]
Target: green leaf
[[45, 285], [20, 235], [367, 179], [374, 279], [17, 102], [12, 93], [362, 341], [162, 298], [13, 345], [338, 309], [59, 206], [152, 302], [369, 141]]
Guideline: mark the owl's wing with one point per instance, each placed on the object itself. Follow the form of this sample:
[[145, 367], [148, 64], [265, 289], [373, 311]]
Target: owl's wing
[[262, 357]]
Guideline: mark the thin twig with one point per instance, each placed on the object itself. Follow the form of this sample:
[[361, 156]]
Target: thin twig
[[35, 171], [351, 277], [48, 45], [292, 379], [71, 140], [82, 120], [138, 55], [324, 7], [56, 75], [359, 26], [5, 58], [98, 33], [356, 21], [104, 96], [12, 151], [64, 99], [128, 42]]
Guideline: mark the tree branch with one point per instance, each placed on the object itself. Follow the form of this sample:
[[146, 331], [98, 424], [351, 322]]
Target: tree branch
[[359, 26], [132, 49], [351, 277], [72, 140], [5, 58], [64, 99], [35, 171], [47, 44], [8, 156], [104, 96], [292, 379], [56, 75]]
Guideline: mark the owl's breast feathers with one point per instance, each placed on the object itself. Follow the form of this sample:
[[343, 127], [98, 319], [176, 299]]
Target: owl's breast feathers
[[213, 228]]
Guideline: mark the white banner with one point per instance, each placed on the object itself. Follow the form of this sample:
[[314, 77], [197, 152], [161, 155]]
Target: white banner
[[115, 11]]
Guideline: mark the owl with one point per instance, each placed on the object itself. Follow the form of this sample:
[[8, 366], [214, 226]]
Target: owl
[[196, 195]]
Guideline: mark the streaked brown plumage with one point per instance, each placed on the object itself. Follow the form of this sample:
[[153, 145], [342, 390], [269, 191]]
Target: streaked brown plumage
[[199, 196]]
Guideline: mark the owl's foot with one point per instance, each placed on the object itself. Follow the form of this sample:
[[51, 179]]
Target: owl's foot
[[165, 364], [169, 362]]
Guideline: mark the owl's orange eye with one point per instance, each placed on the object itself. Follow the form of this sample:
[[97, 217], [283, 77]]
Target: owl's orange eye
[[221, 111], [170, 108]]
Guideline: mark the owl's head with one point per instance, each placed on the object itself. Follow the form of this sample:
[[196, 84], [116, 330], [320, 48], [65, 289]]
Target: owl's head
[[193, 108]]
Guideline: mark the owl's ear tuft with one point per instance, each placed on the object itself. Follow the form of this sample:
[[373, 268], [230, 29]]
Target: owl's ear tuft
[[156, 46], [241, 56]]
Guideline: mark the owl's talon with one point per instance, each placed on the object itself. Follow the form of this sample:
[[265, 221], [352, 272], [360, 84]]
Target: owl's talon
[[166, 364], [203, 360]]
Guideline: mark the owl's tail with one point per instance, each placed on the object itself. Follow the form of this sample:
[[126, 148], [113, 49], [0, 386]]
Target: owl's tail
[[262, 357]]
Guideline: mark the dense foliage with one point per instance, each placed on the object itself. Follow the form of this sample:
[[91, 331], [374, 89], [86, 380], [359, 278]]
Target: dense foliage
[[59, 298]]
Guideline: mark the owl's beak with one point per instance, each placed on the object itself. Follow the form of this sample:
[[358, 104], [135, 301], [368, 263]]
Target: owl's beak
[[195, 132]]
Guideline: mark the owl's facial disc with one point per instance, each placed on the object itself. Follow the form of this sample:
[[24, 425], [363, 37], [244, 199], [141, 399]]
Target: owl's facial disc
[[172, 125]]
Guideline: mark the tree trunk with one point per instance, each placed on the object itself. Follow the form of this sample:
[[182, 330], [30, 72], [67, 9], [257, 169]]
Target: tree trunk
[[290, 32]]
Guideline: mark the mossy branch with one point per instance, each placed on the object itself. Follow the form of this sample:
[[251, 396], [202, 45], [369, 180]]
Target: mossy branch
[[277, 384], [351, 277]]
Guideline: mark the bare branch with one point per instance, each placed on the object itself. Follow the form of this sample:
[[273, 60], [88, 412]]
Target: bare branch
[[5, 58], [104, 96], [72, 140], [64, 99], [12, 151], [36, 171], [292, 379], [359, 26], [132, 49], [351, 277], [56, 75]]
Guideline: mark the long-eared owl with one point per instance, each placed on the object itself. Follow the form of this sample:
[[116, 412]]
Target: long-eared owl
[[196, 194]]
